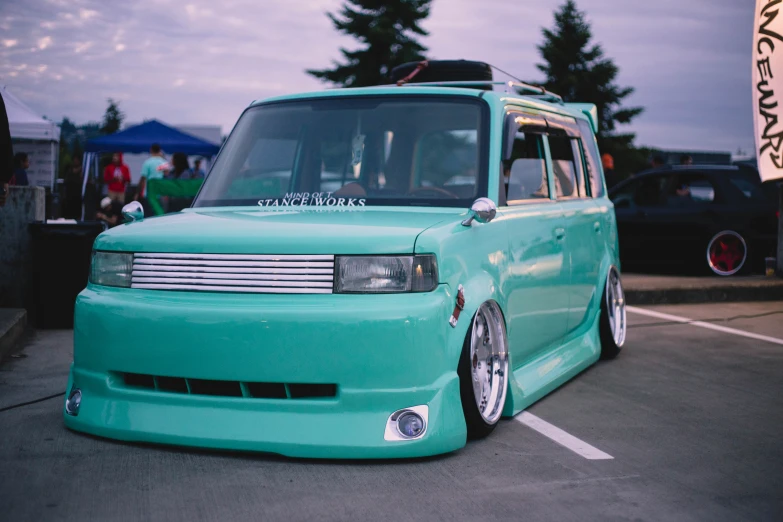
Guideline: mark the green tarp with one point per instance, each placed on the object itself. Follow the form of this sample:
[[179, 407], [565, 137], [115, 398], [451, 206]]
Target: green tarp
[[174, 188]]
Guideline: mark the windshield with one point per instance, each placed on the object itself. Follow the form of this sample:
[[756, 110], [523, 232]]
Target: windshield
[[353, 152]]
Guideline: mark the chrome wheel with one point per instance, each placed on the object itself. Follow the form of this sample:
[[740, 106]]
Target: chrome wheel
[[615, 306], [726, 253], [489, 362]]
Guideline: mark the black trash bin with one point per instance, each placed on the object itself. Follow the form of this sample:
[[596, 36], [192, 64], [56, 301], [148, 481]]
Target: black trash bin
[[61, 254]]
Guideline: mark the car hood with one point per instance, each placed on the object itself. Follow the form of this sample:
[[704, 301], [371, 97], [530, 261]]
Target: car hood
[[371, 230]]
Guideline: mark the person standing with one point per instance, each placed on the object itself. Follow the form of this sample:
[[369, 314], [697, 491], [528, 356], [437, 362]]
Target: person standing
[[198, 172], [608, 163], [153, 167], [21, 164], [117, 176]]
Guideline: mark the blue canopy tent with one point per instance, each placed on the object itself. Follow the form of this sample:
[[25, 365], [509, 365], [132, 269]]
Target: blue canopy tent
[[138, 139]]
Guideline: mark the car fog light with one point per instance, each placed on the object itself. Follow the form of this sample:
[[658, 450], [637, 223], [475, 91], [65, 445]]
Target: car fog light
[[407, 424], [410, 425], [73, 402]]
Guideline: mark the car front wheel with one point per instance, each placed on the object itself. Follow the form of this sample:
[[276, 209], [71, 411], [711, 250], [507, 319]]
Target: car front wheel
[[483, 371]]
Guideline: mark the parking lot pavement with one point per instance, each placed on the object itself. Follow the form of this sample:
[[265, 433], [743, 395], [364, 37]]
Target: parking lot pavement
[[690, 416]]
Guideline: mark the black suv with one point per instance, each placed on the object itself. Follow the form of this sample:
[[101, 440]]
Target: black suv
[[713, 217]]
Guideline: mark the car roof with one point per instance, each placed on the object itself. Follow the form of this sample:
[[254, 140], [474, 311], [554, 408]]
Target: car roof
[[496, 99]]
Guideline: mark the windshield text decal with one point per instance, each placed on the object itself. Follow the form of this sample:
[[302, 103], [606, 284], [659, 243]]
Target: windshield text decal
[[315, 199]]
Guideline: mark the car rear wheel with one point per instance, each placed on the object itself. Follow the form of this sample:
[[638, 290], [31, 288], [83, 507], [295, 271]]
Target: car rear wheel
[[726, 253], [612, 323], [483, 371]]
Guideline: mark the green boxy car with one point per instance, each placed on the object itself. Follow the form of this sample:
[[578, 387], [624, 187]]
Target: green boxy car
[[370, 272]]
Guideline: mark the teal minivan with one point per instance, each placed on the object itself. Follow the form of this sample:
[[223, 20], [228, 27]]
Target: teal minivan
[[369, 272]]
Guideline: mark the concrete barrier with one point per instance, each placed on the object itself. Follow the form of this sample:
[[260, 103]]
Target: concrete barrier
[[24, 205]]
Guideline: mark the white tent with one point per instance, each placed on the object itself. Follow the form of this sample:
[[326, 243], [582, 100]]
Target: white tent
[[34, 135]]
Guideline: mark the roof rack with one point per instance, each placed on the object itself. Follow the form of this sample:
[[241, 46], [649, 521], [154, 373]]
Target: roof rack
[[523, 89]]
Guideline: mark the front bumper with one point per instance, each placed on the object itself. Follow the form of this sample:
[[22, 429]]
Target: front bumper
[[384, 353]]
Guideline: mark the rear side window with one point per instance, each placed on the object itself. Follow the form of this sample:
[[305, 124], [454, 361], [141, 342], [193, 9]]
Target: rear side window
[[689, 190], [563, 166], [594, 172], [525, 172]]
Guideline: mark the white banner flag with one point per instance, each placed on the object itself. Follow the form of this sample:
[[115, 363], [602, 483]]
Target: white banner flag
[[768, 87]]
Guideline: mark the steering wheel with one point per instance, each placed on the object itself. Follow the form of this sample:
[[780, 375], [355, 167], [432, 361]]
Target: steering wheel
[[437, 190]]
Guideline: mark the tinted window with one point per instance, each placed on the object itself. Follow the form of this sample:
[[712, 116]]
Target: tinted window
[[647, 191], [593, 162], [749, 185], [563, 166], [387, 151], [525, 172], [689, 190]]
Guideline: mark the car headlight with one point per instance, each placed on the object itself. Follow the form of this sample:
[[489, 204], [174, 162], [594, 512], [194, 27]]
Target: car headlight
[[111, 269], [386, 274]]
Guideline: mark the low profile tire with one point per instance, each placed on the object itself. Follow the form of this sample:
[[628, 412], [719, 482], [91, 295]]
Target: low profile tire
[[483, 371], [612, 323], [727, 253]]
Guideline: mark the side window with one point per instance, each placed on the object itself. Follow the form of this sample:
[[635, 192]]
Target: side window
[[648, 191], [690, 190], [594, 172], [563, 166], [580, 170], [525, 171]]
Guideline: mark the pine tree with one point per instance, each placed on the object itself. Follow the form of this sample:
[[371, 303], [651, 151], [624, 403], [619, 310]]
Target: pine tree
[[387, 30], [577, 70], [112, 118]]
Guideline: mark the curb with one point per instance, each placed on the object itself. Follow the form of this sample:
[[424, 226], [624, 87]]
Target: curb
[[704, 295], [12, 326]]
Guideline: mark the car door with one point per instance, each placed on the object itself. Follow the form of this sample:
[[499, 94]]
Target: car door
[[537, 285], [639, 207], [583, 219], [689, 210]]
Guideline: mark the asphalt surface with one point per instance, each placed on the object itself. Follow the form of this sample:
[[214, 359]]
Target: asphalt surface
[[692, 417]]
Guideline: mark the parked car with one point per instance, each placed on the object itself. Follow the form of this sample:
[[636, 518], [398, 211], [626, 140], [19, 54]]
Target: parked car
[[393, 315], [710, 217]]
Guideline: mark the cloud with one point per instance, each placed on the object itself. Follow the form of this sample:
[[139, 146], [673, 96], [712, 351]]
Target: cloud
[[82, 47], [87, 14], [197, 63]]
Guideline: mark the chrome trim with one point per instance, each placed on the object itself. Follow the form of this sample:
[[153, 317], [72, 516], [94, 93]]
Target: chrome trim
[[234, 257], [242, 273], [483, 210], [133, 211], [392, 433], [237, 289], [245, 277]]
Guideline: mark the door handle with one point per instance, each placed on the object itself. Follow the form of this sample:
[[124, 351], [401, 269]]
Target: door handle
[[597, 227], [559, 233]]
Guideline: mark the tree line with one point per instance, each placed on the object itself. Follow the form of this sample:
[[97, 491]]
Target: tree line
[[573, 65]]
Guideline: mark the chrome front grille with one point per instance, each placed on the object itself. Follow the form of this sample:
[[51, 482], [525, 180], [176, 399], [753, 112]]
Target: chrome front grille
[[261, 274]]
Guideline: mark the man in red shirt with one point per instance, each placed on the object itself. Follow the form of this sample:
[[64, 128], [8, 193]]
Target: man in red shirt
[[117, 176]]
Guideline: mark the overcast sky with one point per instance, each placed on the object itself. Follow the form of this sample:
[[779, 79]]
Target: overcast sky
[[202, 62]]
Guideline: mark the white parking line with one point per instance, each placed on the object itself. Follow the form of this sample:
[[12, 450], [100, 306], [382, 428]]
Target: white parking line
[[567, 440], [702, 324]]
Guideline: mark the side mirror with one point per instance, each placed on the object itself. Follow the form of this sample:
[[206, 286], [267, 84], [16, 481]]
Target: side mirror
[[133, 211], [483, 210]]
